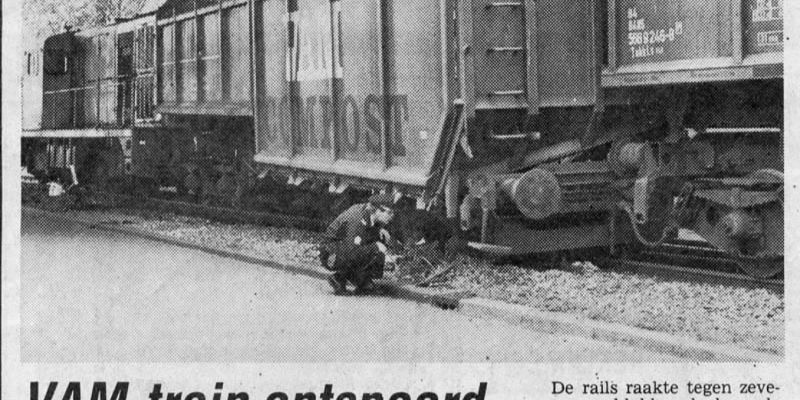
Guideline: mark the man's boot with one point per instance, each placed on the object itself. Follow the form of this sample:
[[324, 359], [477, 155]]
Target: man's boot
[[366, 287]]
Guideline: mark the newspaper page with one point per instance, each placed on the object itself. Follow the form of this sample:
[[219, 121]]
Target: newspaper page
[[399, 200]]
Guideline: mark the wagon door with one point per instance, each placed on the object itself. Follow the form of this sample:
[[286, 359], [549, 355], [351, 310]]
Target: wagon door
[[236, 56]]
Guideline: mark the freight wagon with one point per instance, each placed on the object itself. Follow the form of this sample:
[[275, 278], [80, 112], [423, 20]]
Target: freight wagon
[[542, 126]]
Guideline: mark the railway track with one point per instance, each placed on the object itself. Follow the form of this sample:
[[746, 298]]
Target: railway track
[[676, 262], [711, 270], [227, 214]]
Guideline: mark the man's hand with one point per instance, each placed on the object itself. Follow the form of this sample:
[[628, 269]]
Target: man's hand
[[384, 235], [381, 247]]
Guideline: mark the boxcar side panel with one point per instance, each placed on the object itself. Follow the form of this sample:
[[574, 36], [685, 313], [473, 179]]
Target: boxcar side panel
[[212, 55], [359, 136], [236, 48], [375, 75], [187, 56], [415, 78], [166, 73], [564, 28], [210, 62], [311, 80], [274, 135]]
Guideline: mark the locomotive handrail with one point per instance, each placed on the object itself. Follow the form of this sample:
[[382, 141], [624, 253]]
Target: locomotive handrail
[[743, 130], [512, 49], [69, 90], [117, 81], [75, 89], [504, 4]]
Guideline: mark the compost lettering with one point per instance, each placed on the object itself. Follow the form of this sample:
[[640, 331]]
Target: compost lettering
[[302, 120], [358, 125]]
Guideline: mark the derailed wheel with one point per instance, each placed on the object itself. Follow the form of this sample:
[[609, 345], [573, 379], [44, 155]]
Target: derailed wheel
[[761, 268], [536, 193], [768, 265]]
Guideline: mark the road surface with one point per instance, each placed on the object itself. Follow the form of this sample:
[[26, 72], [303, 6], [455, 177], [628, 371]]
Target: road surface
[[96, 296]]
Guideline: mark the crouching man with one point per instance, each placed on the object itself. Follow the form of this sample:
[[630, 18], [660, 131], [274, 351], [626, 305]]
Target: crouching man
[[357, 239]]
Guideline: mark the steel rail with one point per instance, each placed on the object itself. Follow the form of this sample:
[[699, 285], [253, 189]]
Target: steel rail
[[694, 275], [222, 213], [668, 270]]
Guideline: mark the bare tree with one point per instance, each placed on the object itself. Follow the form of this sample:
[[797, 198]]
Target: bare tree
[[110, 10], [46, 17]]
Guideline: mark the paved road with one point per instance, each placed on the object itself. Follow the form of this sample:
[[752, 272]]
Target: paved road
[[94, 296]]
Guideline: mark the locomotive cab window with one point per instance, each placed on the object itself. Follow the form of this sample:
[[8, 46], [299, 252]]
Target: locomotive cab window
[[56, 62]]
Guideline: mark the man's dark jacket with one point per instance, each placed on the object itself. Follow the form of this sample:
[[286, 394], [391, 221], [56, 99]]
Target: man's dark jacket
[[352, 237]]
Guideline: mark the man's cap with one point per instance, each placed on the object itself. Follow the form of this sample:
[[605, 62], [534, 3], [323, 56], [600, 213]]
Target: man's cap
[[382, 200]]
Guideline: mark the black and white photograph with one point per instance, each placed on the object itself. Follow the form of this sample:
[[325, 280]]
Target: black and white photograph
[[509, 195]]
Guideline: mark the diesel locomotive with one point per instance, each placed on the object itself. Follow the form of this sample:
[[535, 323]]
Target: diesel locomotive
[[542, 126]]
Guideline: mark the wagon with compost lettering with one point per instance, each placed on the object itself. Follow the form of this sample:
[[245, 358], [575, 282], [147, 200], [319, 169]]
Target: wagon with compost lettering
[[353, 90]]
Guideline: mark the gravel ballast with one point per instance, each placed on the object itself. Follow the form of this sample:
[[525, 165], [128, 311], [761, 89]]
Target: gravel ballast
[[746, 318]]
